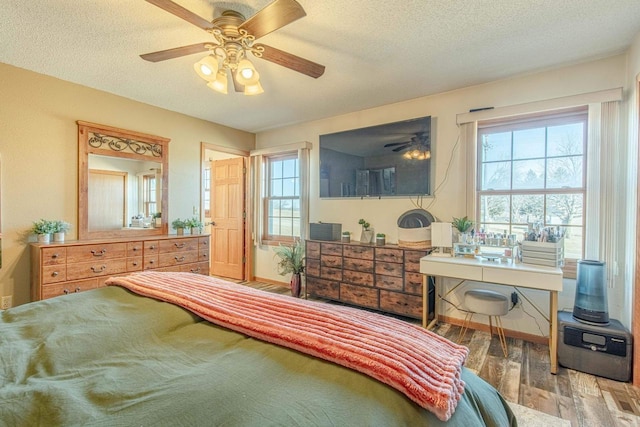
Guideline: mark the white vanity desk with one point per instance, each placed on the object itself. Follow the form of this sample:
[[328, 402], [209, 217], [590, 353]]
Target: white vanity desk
[[518, 275]]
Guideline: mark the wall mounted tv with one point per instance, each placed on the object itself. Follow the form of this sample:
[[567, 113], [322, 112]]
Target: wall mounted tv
[[392, 159]]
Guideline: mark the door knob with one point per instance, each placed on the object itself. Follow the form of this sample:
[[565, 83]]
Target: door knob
[[212, 223]]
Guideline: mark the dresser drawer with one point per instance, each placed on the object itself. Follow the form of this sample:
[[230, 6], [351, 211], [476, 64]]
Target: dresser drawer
[[357, 277], [331, 261], [331, 273], [197, 268], [178, 245], [312, 250], [54, 273], [151, 247], [203, 244], [389, 268], [96, 268], [412, 260], [358, 264], [203, 256], [359, 295], [134, 264], [406, 305], [331, 249], [389, 282], [96, 252], [312, 267], [413, 283], [151, 261], [358, 251], [178, 258], [134, 249], [54, 256], [389, 255], [51, 291], [323, 288]]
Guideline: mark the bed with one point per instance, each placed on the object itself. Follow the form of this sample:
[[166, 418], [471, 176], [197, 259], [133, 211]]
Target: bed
[[114, 356]]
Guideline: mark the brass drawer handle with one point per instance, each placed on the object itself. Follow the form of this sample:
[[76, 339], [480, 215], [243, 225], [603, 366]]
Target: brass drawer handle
[[135, 263], [54, 256], [55, 274], [99, 270], [99, 253], [195, 270], [152, 247], [180, 245], [136, 249], [179, 259], [66, 291], [77, 290]]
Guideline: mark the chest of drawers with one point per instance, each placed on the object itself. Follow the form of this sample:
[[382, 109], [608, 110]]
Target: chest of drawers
[[62, 268], [385, 278]]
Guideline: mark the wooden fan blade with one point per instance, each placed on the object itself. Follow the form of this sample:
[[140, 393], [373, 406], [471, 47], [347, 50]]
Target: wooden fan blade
[[176, 52], [275, 15], [181, 12], [393, 144], [291, 61]]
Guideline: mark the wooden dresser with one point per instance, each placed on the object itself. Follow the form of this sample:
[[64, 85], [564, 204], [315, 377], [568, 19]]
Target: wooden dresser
[[75, 266], [385, 278]]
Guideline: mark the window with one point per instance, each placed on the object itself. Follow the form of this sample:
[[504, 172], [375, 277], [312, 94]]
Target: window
[[149, 194], [282, 198], [531, 174]]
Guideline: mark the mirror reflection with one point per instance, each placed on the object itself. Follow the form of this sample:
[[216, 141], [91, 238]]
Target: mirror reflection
[[123, 193]]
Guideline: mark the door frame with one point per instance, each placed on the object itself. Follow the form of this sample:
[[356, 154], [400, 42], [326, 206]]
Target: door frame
[[247, 252]]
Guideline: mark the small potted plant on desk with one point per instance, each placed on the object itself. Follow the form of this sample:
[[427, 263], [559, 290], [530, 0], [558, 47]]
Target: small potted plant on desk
[[179, 225], [43, 229], [346, 236], [367, 233], [381, 239], [59, 230], [463, 225], [291, 261], [157, 219], [195, 225]]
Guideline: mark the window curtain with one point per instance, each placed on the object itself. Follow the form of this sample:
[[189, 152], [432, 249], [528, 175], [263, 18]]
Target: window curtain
[[258, 191], [605, 213]]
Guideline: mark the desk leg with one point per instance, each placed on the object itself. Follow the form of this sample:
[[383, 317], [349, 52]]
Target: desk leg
[[553, 331], [425, 300]]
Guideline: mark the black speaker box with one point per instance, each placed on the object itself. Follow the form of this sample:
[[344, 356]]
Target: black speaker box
[[602, 350]]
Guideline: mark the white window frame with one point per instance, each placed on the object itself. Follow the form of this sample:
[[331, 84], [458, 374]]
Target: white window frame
[[270, 181]]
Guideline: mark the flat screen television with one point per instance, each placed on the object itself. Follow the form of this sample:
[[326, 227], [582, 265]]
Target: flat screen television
[[387, 160]]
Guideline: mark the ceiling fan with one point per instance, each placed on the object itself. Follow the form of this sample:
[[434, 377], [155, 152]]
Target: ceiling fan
[[419, 145], [234, 37]]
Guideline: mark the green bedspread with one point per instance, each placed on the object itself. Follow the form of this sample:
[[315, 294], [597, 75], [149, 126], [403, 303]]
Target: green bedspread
[[109, 357]]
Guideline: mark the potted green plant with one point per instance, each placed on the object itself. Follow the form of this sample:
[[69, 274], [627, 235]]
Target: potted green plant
[[381, 239], [346, 236], [463, 225], [291, 261], [43, 229], [179, 225], [59, 230], [195, 225], [367, 232], [157, 219]]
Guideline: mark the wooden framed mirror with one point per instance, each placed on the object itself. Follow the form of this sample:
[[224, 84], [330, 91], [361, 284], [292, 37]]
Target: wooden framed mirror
[[122, 182]]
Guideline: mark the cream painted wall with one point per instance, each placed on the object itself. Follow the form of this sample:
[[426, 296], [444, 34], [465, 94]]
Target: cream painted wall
[[38, 148], [450, 200]]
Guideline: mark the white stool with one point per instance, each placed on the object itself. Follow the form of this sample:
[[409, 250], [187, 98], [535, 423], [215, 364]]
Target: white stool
[[489, 303]]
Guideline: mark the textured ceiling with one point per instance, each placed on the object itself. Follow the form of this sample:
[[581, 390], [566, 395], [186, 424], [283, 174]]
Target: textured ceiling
[[375, 52]]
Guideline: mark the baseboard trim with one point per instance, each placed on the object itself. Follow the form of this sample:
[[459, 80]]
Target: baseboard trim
[[537, 339]]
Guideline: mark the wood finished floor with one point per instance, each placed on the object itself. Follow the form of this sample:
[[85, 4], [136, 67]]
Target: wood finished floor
[[524, 378]]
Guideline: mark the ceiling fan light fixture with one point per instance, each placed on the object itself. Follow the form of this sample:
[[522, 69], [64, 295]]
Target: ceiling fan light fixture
[[220, 84], [246, 73], [255, 89], [207, 68]]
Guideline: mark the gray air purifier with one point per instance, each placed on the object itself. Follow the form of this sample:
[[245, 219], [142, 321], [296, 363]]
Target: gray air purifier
[[591, 304]]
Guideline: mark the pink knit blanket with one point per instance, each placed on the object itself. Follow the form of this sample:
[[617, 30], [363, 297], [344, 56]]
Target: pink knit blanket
[[420, 364]]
